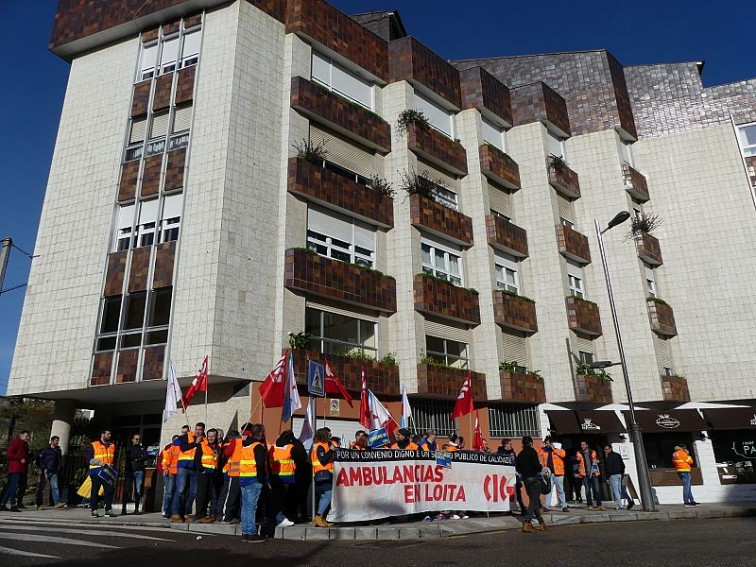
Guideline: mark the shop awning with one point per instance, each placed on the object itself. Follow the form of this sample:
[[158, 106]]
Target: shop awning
[[563, 421], [598, 421], [657, 421], [731, 418]]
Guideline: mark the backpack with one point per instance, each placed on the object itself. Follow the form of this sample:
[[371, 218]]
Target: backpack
[[545, 477]]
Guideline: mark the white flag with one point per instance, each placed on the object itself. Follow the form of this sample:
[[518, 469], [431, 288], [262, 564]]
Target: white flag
[[291, 393], [172, 393], [307, 434], [379, 415], [406, 409]]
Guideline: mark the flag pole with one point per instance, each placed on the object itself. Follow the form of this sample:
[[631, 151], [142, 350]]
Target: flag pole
[[206, 389], [314, 425], [325, 409]]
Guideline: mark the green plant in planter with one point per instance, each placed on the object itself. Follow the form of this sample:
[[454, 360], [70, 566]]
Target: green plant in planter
[[509, 366], [582, 299], [602, 374], [642, 223], [381, 186], [299, 341], [414, 183], [357, 354], [656, 300], [389, 358], [410, 116], [309, 151], [557, 162], [515, 294], [536, 374], [473, 291]]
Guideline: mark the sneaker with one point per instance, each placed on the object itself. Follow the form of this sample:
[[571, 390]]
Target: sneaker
[[439, 518], [465, 517], [566, 509], [620, 508], [110, 514], [592, 508], [95, 514], [686, 504], [454, 517], [40, 508], [630, 505], [285, 523], [427, 519], [601, 508], [60, 505], [16, 509], [254, 538], [693, 503]]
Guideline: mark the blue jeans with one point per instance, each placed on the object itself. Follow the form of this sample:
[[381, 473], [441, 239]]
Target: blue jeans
[[250, 495], [169, 489], [323, 493], [615, 481], [687, 492], [182, 504], [44, 478], [11, 489], [591, 484], [559, 487]]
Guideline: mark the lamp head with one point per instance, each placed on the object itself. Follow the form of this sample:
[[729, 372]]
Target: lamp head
[[619, 218]]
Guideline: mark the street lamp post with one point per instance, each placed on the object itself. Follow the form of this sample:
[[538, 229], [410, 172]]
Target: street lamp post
[[647, 497]]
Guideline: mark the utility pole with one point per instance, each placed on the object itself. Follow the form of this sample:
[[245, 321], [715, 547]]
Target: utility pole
[[5, 247]]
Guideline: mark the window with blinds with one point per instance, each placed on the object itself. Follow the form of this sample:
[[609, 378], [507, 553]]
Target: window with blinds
[[575, 275], [138, 130], [506, 272], [148, 213], [169, 54], [340, 237], [493, 134], [438, 117], [500, 202], [344, 153], [182, 118], [513, 420], [124, 227], [170, 220], [515, 348], [147, 61], [190, 48], [341, 80], [565, 209]]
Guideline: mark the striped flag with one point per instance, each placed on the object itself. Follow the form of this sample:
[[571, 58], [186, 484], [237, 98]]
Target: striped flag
[[272, 389], [291, 401], [199, 384]]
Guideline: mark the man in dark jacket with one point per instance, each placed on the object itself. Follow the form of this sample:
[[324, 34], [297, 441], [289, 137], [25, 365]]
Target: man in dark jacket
[[19, 455], [134, 455], [529, 466], [506, 449], [49, 461], [615, 470]]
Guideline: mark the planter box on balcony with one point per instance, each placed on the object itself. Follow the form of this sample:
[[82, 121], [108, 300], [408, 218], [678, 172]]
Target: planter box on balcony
[[635, 183], [318, 275], [437, 148], [536, 102], [514, 312], [445, 382], [499, 168], [382, 379], [524, 388], [441, 220], [583, 317], [483, 91], [336, 112], [445, 300], [662, 318], [573, 245], [675, 389], [325, 187], [564, 180], [591, 388], [506, 236], [411, 61], [648, 249]]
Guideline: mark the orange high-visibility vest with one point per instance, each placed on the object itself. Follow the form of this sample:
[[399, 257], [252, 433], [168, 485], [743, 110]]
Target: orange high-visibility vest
[[104, 454], [317, 466], [682, 460], [169, 459], [452, 448], [356, 447], [209, 456], [233, 464], [581, 463], [557, 456], [281, 463], [186, 458], [410, 447], [247, 462]]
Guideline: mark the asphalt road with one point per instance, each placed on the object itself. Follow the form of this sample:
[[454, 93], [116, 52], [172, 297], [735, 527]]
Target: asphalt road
[[685, 542]]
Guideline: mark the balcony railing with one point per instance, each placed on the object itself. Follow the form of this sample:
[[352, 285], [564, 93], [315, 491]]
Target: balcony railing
[[514, 312], [499, 167], [483, 91], [437, 148], [648, 249], [382, 379], [583, 317], [573, 244], [445, 382], [635, 183], [661, 317], [564, 180], [536, 102], [592, 388], [506, 236], [675, 389], [441, 220], [523, 388], [445, 300]]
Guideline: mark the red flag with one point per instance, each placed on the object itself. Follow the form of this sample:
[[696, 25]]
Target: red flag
[[199, 384], [477, 435], [464, 403], [272, 389], [333, 385], [365, 415]]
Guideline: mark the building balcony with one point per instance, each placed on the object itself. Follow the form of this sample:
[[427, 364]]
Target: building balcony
[[440, 220], [506, 236], [648, 249], [583, 317], [536, 102], [434, 296], [523, 388], [382, 379], [573, 245], [411, 61], [661, 317], [340, 114], [484, 92], [563, 179], [635, 183], [317, 184], [437, 148], [499, 168], [675, 389], [308, 272], [514, 312], [594, 389], [445, 382]]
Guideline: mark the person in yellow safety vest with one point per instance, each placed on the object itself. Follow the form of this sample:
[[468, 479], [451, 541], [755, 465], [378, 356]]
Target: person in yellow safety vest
[[553, 458], [169, 464], [189, 463], [322, 455], [588, 469], [282, 477], [208, 478], [360, 442], [403, 440], [98, 454], [682, 461], [252, 477], [228, 502]]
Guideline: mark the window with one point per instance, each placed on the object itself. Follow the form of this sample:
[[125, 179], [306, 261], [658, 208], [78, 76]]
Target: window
[[145, 234], [747, 135], [575, 274], [506, 272], [668, 371], [147, 61], [442, 260], [158, 131], [338, 333], [190, 48], [555, 145], [565, 222], [124, 227], [339, 79], [446, 351], [446, 197], [513, 420], [433, 414], [626, 149], [111, 311], [169, 54], [134, 311], [438, 117], [586, 358], [182, 121], [171, 218], [650, 280], [493, 135], [137, 132], [340, 237]]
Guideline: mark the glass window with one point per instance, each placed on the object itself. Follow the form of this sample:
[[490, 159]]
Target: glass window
[[446, 351], [169, 54], [341, 80], [650, 280], [190, 48], [134, 311], [446, 197], [124, 227], [585, 357], [171, 219], [747, 135], [335, 333], [493, 135], [442, 260], [147, 61], [438, 117], [506, 273], [575, 273], [160, 307], [513, 420], [340, 237], [145, 235], [555, 145], [111, 311]]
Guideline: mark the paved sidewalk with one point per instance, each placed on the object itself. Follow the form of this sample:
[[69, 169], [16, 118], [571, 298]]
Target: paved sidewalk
[[404, 531]]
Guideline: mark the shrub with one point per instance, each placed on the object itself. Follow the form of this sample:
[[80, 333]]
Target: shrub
[[308, 151], [410, 116]]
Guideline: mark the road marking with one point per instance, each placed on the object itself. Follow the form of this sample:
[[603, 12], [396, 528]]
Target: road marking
[[10, 551], [52, 539], [61, 530], [105, 523]]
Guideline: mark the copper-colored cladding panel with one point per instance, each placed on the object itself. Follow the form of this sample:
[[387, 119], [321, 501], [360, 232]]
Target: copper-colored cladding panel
[[437, 148], [482, 90], [165, 256], [445, 382], [127, 366], [514, 312], [174, 171], [635, 183], [662, 318], [523, 388], [162, 98], [140, 267], [537, 102], [563, 179], [591, 388], [140, 101], [648, 249], [101, 369], [438, 218], [675, 389], [128, 184], [185, 86], [382, 379], [153, 361], [115, 274], [151, 175], [410, 60], [499, 167], [445, 300], [506, 236], [583, 317], [573, 244]]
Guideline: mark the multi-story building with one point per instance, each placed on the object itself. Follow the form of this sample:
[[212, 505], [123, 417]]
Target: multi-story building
[[222, 177]]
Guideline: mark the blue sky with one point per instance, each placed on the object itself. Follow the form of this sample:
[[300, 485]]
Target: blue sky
[[635, 32]]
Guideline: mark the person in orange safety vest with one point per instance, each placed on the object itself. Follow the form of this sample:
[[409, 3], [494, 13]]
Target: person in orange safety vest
[[403, 440], [682, 461], [282, 477], [588, 469], [322, 455], [169, 469], [553, 458]]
